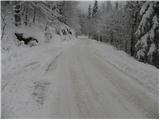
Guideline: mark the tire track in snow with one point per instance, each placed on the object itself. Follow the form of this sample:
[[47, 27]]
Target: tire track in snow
[[82, 96], [131, 92], [89, 97], [127, 74], [52, 65]]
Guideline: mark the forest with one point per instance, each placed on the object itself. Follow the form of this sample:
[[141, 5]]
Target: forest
[[131, 26], [80, 59]]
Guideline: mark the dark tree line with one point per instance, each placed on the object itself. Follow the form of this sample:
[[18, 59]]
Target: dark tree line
[[131, 26]]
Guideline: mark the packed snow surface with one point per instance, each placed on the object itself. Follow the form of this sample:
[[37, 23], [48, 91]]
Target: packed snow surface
[[77, 79]]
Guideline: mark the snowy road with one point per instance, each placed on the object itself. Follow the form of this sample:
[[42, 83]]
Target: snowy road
[[81, 83]]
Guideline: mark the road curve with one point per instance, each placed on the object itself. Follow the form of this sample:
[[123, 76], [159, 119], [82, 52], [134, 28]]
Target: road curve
[[90, 87]]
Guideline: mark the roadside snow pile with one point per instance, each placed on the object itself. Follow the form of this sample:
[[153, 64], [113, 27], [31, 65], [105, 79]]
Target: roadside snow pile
[[10, 41], [145, 74], [35, 31], [42, 33]]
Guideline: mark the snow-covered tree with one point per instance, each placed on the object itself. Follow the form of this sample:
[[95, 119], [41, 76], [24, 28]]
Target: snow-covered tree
[[95, 9], [147, 47], [70, 14], [48, 9], [40, 16], [132, 9]]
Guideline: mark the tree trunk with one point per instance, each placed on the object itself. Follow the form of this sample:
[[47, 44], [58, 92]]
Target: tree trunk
[[17, 15], [3, 26], [34, 16], [111, 38], [26, 16], [132, 42], [132, 50]]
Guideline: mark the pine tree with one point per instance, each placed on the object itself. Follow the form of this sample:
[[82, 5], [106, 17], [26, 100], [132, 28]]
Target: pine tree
[[95, 9], [116, 5], [69, 14], [147, 33], [61, 9], [89, 12]]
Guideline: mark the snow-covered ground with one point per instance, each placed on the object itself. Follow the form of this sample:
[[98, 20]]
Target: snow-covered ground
[[77, 79]]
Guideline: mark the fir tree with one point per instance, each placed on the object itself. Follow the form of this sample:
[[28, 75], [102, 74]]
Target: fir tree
[[95, 9], [89, 12], [147, 33]]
